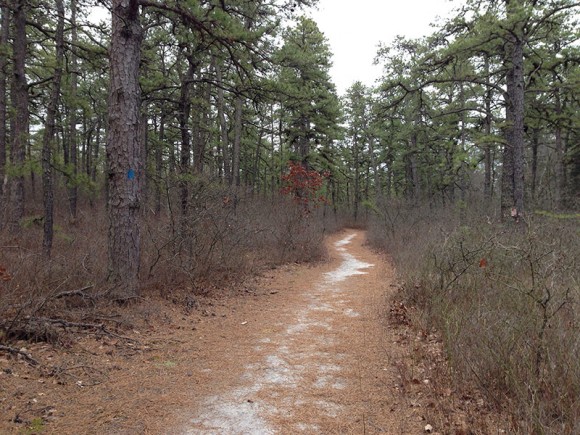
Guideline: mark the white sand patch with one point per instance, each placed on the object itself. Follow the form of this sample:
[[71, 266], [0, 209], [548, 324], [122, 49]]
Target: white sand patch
[[322, 307], [350, 266], [345, 241], [351, 313], [308, 428], [277, 371], [329, 408], [234, 414]]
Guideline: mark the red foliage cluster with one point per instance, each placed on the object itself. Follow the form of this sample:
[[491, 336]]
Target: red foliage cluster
[[303, 184]]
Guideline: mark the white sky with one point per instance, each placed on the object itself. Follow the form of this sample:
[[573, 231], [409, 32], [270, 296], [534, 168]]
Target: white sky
[[354, 29]]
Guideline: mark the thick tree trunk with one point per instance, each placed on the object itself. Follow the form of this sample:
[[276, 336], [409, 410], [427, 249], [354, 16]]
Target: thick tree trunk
[[20, 120], [518, 127], [72, 134], [124, 152], [507, 175], [48, 137], [513, 205], [4, 33]]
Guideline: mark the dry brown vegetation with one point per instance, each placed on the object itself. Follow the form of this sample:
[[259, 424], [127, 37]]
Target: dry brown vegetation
[[224, 237], [504, 299]]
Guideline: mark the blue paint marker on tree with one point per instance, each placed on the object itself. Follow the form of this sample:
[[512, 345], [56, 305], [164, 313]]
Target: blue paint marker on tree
[[131, 174]]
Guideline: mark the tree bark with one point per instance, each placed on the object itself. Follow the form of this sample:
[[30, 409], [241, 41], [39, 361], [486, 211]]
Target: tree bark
[[48, 137], [355, 155], [20, 120], [225, 161], [515, 87], [159, 163], [4, 34], [560, 153], [237, 141], [185, 156], [124, 152], [72, 134], [488, 164], [518, 127], [534, 164]]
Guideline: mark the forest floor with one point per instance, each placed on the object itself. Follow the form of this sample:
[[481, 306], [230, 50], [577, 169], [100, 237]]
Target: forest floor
[[323, 348]]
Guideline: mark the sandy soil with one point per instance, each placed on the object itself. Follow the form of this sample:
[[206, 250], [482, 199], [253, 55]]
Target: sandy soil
[[313, 349]]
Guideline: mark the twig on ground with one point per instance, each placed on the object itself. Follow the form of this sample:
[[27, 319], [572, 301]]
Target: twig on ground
[[78, 292], [24, 355], [98, 327]]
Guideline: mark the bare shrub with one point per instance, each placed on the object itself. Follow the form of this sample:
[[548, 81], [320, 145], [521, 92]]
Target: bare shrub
[[223, 236], [506, 303], [227, 234], [37, 286]]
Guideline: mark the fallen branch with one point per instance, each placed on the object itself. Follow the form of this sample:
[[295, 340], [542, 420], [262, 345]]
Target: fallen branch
[[24, 355], [79, 292], [99, 328]]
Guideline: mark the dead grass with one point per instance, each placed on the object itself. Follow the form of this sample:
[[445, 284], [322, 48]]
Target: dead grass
[[505, 302]]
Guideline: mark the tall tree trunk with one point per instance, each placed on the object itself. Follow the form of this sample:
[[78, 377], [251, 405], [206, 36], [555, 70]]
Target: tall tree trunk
[[185, 156], [534, 164], [95, 151], [413, 189], [256, 166], [507, 175], [72, 124], [124, 152], [356, 193], [49, 129], [375, 168], [200, 127], [237, 141], [560, 153], [4, 34], [20, 120], [225, 161], [515, 88], [159, 163], [518, 127], [487, 178]]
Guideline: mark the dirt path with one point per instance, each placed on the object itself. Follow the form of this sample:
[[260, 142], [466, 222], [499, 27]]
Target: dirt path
[[311, 358], [318, 349]]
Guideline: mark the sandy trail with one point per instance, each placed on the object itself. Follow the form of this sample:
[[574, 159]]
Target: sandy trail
[[313, 349], [309, 359]]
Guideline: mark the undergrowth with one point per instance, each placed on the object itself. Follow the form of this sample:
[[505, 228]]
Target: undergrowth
[[504, 298], [223, 237]]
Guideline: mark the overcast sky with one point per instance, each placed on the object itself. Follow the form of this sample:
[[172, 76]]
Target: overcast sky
[[355, 27]]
